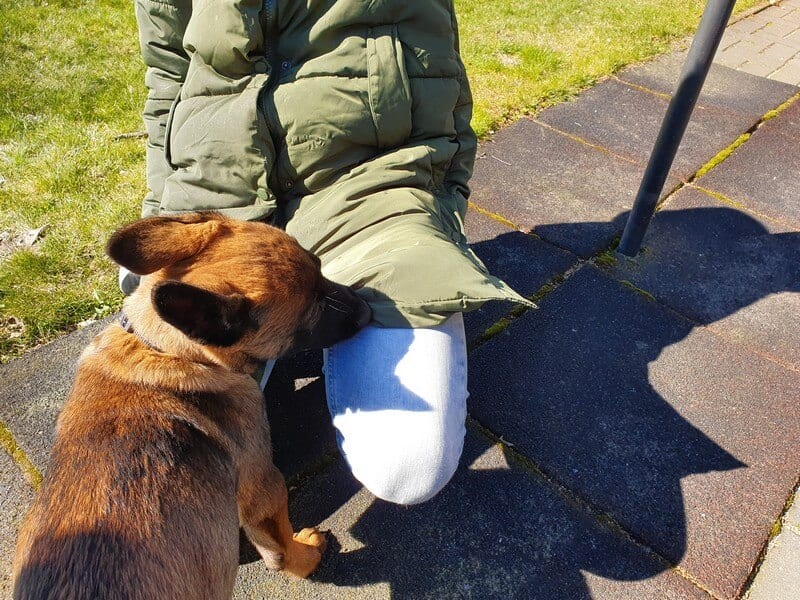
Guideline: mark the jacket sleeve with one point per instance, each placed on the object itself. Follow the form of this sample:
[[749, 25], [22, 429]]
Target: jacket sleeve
[[461, 166], [162, 24]]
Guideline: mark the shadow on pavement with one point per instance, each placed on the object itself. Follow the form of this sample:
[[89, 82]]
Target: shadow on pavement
[[574, 393]]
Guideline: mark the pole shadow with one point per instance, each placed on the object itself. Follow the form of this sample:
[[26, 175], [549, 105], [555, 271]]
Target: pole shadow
[[594, 419]]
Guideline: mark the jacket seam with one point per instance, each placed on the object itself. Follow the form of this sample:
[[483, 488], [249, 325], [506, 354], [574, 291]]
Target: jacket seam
[[421, 303], [163, 3], [366, 76]]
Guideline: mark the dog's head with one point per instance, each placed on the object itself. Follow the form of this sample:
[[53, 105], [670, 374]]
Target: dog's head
[[238, 287]]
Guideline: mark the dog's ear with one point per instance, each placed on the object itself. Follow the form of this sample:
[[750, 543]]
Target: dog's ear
[[150, 244], [202, 315]]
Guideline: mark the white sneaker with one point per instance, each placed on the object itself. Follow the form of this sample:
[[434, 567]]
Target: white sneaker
[[128, 282]]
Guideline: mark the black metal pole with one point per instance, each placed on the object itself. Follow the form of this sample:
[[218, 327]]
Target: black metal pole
[[695, 69]]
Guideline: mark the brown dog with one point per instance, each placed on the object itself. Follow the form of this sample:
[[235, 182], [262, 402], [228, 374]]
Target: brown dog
[[162, 450]]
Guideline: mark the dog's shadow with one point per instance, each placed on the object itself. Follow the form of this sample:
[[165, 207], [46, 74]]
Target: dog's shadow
[[607, 432]]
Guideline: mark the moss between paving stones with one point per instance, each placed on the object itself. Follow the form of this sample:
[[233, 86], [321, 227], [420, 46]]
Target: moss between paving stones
[[644, 293], [722, 155], [30, 472]]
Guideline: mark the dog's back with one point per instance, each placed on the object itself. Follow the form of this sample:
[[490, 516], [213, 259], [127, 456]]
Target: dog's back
[[162, 449], [135, 477]]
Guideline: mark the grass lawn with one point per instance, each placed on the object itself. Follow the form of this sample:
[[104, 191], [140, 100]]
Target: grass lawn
[[71, 81]]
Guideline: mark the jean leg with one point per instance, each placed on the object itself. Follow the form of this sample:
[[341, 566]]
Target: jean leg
[[398, 402]]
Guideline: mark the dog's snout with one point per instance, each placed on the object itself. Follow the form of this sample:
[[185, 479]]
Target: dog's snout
[[344, 300], [344, 313]]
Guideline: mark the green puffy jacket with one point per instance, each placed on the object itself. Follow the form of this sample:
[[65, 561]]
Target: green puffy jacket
[[359, 144]]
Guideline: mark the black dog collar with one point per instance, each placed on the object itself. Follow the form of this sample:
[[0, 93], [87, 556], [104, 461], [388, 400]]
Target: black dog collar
[[127, 326]]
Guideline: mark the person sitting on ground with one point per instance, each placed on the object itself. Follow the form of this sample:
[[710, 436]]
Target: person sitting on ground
[[347, 123]]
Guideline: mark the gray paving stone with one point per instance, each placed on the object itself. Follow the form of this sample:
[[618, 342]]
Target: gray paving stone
[[734, 56], [688, 441], [15, 497], [300, 424], [752, 23], [758, 67], [568, 193], [777, 52], [779, 575], [762, 175], [785, 12], [755, 43], [521, 260], [792, 516], [792, 40], [725, 268], [33, 389], [731, 37], [737, 55], [789, 73], [778, 28], [724, 88], [626, 120], [496, 531]]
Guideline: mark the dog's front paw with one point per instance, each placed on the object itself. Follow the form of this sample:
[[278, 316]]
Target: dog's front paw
[[311, 536], [306, 552]]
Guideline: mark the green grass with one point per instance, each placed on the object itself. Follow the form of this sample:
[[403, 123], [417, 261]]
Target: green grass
[[71, 81], [523, 55]]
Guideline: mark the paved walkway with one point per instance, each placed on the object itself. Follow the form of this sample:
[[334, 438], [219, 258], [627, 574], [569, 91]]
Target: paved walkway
[[635, 437], [766, 44]]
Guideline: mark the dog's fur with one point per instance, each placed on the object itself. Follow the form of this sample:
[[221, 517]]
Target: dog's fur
[[162, 449]]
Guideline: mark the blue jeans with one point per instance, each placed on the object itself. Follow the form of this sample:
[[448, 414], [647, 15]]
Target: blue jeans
[[398, 400]]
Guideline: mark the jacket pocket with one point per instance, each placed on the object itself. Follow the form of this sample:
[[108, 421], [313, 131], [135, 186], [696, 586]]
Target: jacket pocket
[[168, 131], [389, 87], [221, 156]]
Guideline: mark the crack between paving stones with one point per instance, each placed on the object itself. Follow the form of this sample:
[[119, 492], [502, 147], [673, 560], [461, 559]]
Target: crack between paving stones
[[296, 482], [776, 530], [708, 108], [601, 517], [641, 88], [606, 258], [545, 290], [600, 263], [603, 258], [696, 325], [753, 11], [511, 225], [27, 469], [721, 156], [726, 152], [792, 57], [584, 142], [643, 293], [499, 218]]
